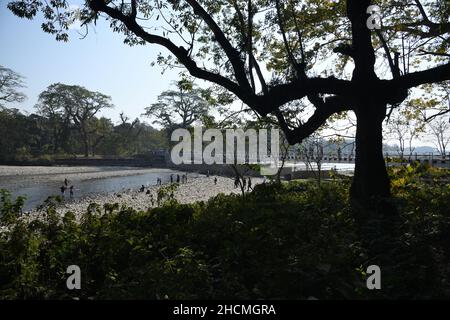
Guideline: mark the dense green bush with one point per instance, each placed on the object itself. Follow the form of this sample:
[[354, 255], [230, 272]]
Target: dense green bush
[[288, 241]]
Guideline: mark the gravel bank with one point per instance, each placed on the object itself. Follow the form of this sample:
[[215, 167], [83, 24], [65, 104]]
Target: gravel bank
[[196, 189]]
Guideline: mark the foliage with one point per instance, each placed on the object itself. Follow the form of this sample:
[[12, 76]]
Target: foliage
[[440, 130], [66, 104], [10, 210], [166, 193], [46, 137], [10, 84], [290, 241], [179, 108], [291, 39]]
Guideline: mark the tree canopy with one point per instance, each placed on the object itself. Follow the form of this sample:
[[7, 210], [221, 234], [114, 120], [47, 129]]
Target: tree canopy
[[271, 53], [10, 84], [76, 104], [179, 108]]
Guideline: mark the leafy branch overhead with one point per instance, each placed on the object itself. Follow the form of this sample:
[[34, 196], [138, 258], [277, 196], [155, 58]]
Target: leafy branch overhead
[[234, 43], [271, 54]]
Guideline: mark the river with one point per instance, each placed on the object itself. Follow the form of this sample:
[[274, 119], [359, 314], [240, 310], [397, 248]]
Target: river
[[39, 185]]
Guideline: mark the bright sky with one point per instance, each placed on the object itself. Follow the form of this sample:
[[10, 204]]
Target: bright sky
[[100, 62]]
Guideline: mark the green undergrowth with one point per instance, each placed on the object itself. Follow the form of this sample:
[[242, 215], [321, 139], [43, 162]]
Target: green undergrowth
[[294, 240]]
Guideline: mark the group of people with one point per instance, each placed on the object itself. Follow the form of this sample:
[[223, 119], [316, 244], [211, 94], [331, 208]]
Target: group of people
[[177, 179], [64, 187], [246, 183], [182, 179]]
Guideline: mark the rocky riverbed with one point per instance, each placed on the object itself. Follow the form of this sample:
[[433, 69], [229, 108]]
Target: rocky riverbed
[[196, 189], [23, 180]]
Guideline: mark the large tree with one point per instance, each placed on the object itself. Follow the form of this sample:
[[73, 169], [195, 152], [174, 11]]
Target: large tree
[[404, 129], [62, 103], [305, 44], [439, 130], [10, 84], [51, 105], [179, 108]]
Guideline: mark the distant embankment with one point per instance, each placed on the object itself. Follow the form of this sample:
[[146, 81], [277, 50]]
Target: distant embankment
[[97, 162], [214, 169], [287, 173]]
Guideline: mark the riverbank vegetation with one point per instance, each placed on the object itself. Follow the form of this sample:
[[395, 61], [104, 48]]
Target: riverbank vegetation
[[293, 240], [44, 138]]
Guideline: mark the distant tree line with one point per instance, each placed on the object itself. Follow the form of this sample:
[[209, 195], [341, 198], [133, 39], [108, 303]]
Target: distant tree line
[[66, 123], [25, 137]]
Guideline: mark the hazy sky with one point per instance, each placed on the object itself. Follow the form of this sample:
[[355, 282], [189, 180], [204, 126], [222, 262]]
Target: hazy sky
[[100, 62]]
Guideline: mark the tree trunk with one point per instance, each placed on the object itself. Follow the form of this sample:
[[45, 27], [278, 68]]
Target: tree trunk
[[371, 180], [86, 150], [85, 143], [56, 138], [375, 215]]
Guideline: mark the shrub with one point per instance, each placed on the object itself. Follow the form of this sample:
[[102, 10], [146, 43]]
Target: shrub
[[290, 241]]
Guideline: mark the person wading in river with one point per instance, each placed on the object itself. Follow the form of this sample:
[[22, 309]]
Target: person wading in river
[[63, 190]]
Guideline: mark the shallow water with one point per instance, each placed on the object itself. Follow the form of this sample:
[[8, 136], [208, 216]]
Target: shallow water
[[37, 194], [324, 166]]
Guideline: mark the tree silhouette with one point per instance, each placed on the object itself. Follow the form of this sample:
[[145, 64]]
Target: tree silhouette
[[179, 108], [269, 53], [10, 84]]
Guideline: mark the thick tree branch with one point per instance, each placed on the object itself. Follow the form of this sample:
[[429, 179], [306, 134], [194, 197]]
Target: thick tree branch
[[245, 94], [434, 29], [283, 34], [422, 11], [324, 111], [410, 80], [133, 9], [232, 53], [301, 88], [394, 68]]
